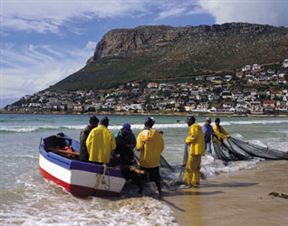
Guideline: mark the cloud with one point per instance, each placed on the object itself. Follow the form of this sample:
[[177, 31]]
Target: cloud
[[173, 12], [273, 12], [174, 8], [51, 15], [35, 67], [47, 16]]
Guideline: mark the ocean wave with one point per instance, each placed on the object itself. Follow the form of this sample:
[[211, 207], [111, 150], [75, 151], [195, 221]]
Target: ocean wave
[[263, 122], [25, 129], [20, 120]]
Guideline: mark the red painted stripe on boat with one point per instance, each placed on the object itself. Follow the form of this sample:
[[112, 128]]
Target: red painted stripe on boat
[[55, 179], [77, 190]]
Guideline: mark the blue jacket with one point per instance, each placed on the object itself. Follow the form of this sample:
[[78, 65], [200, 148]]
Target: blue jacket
[[208, 132]]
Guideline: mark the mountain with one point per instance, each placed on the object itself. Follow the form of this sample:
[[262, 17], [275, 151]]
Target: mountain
[[175, 53]]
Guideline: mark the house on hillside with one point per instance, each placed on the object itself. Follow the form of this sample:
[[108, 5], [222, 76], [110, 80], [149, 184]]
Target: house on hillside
[[78, 108], [282, 106], [227, 95], [285, 63], [152, 85], [227, 78], [228, 105], [246, 68], [203, 107], [256, 67], [241, 110], [268, 106], [190, 105], [256, 107]]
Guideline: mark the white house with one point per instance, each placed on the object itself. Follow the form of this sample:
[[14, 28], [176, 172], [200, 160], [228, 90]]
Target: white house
[[285, 63], [228, 78], [246, 68], [227, 95], [256, 67]]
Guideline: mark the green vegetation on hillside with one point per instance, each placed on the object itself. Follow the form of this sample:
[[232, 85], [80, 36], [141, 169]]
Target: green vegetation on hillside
[[177, 54]]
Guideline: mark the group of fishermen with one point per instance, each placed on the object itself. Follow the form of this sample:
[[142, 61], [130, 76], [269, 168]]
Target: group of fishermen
[[98, 145], [198, 141]]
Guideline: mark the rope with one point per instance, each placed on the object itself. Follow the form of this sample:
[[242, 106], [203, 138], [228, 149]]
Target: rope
[[106, 185], [100, 177]]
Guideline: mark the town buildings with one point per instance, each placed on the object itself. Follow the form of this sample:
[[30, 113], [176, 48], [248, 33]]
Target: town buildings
[[253, 90]]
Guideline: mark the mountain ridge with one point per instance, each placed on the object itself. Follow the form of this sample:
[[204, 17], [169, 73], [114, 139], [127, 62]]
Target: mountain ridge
[[166, 52]]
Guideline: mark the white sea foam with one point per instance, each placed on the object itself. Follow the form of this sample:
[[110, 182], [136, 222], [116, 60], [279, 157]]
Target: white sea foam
[[24, 128], [42, 202], [249, 122], [211, 166], [63, 209]]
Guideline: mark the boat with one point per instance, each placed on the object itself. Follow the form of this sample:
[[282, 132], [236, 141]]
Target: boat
[[58, 162]]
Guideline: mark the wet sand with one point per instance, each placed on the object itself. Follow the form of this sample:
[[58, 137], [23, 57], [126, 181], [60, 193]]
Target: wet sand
[[240, 198]]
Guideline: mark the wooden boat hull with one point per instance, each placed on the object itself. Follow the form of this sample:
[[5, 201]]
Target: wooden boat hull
[[81, 179]]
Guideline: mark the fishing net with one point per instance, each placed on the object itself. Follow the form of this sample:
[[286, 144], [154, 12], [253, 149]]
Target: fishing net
[[163, 162], [233, 149]]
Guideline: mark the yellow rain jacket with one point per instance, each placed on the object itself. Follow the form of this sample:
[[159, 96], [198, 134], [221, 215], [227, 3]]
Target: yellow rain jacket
[[195, 139], [220, 132], [100, 143], [151, 144]]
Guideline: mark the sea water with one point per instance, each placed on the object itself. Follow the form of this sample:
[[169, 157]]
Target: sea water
[[28, 199]]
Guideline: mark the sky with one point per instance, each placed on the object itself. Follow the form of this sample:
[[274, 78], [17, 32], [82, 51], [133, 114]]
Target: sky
[[44, 41]]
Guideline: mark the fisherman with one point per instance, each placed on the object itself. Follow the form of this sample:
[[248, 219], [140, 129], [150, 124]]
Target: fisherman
[[125, 144], [100, 143], [124, 155], [195, 141], [208, 133], [150, 144], [219, 131], [93, 122]]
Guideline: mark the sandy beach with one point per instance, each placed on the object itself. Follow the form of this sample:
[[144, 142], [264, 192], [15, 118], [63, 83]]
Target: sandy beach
[[240, 198]]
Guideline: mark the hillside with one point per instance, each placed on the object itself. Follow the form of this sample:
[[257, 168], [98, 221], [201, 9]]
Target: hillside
[[167, 53]]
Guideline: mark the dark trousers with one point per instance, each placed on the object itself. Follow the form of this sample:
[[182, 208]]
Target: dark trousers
[[154, 175], [135, 177]]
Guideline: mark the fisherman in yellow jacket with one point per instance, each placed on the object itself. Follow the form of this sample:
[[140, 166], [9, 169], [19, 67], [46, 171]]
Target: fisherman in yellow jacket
[[196, 143], [100, 143], [150, 143], [219, 131]]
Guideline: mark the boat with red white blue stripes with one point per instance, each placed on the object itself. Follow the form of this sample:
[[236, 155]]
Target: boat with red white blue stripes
[[58, 162]]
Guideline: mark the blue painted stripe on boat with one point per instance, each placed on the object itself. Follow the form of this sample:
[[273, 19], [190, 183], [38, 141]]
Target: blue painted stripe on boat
[[77, 165], [95, 168], [57, 159]]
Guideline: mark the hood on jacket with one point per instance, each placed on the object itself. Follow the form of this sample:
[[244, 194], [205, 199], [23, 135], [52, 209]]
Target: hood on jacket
[[148, 134]]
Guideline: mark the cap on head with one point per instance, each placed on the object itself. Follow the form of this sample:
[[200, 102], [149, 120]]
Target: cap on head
[[61, 134], [150, 121], [93, 120], [190, 120], [217, 120], [126, 126], [104, 121]]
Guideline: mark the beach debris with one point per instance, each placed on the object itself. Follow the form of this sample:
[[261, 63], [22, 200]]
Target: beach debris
[[279, 194]]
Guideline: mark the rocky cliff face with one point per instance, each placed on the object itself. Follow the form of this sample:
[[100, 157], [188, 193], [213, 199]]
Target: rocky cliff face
[[126, 42], [120, 42]]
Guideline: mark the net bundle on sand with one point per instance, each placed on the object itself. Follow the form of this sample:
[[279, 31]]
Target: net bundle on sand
[[233, 149]]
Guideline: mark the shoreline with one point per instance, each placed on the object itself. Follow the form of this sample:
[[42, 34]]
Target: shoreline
[[238, 198], [197, 114]]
